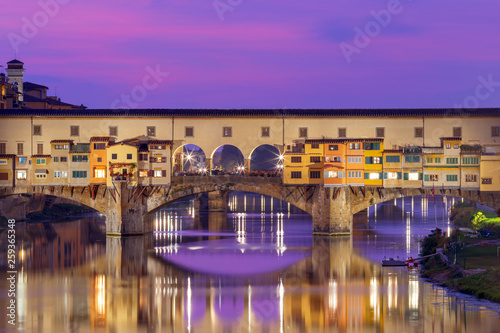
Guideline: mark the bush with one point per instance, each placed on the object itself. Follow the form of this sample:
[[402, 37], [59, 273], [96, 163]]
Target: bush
[[462, 214], [428, 244]]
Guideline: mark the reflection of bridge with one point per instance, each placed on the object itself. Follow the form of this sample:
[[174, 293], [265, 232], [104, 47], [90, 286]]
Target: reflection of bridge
[[131, 210]]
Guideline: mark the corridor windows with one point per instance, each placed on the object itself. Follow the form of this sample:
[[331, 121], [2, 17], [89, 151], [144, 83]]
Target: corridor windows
[[74, 131], [380, 132], [302, 132], [419, 132], [113, 130], [37, 129], [457, 132], [3, 148], [151, 131], [39, 149], [189, 132], [342, 132], [20, 150], [495, 131], [265, 132], [227, 131]]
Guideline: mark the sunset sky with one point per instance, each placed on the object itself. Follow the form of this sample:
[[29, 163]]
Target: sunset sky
[[258, 53]]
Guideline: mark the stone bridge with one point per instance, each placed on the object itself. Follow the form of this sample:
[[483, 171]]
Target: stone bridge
[[131, 211]]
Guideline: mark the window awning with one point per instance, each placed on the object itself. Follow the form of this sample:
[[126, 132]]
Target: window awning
[[41, 172]]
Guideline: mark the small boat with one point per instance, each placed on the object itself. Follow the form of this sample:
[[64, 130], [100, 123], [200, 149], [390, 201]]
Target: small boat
[[393, 262]]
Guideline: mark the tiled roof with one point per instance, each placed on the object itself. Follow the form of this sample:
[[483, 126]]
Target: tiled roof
[[7, 155], [32, 86], [15, 61], [41, 156], [61, 141], [333, 113], [160, 142], [393, 151], [343, 140], [101, 139], [451, 138]]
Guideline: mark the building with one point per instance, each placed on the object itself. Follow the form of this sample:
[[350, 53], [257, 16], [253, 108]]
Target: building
[[392, 166], [490, 168], [412, 167], [79, 165], [7, 170], [99, 158], [303, 163], [60, 167], [122, 163], [373, 149]]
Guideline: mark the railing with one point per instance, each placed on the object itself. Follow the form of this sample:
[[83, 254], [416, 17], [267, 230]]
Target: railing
[[226, 179]]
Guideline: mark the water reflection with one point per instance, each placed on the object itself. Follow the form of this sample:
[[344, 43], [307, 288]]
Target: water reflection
[[191, 275]]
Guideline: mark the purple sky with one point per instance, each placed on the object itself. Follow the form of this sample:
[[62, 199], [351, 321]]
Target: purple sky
[[263, 54]]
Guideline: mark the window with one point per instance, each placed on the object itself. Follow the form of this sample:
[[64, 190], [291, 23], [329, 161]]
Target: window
[[448, 146], [315, 159], [57, 174], [64, 174], [315, 174], [374, 175], [64, 159], [265, 131], [354, 174], [74, 130], [495, 130], [354, 159], [470, 160], [314, 145], [40, 161], [37, 129], [143, 157], [452, 160], [372, 145], [20, 150], [143, 173], [79, 158], [455, 146], [486, 181], [379, 132], [457, 131], [22, 160], [437, 160], [79, 174], [413, 176], [151, 131], [392, 159], [4, 176], [129, 156], [419, 132], [392, 175], [99, 146], [471, 178], [302, 132], [431, 178], [342, 132], [296, 159], [334, 159], [21, 174], [99, 173], [157, 147], [227, 131], [39, 148], [114, 156], [189, 132], [61, 147], [451, 178], [99, 159], [412, 159], [332, 174], [333, 147], [3, 148], [3, 162], [158, 173], [296, 174], [429, 159], [113, 130], [373, 160], [56, 159], [355, 146]]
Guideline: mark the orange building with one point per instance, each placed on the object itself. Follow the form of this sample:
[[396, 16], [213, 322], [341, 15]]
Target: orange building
[[334, 173], [355, 162], [98, 158]]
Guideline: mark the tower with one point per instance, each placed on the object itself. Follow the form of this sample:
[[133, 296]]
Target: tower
[[15, 71]]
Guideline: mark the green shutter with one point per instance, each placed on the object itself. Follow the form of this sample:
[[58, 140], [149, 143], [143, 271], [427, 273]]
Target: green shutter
[[376, 146], [381, 175], [399, 175], [406, 176], [420, 176], [385, 175], [366, 175], [325, 174], [426, 178], [368, 160]]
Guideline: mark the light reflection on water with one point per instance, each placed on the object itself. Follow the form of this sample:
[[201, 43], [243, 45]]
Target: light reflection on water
[[247, 271]]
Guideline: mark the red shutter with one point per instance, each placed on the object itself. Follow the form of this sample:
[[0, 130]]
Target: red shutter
[[150, 173], [151, 160], [163, 159], [164, 173]]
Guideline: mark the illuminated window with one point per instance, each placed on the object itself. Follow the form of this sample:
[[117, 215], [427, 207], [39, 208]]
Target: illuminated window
[[332, 174], [143, 173], [333, 147], [99, 173], [158, 173], [227, 131], [21, 174], [22, 160], [374, 175], [392, 175], [265, 131], [413, 176]]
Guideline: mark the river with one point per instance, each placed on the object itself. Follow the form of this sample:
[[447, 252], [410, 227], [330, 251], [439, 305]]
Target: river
[[255, 269]]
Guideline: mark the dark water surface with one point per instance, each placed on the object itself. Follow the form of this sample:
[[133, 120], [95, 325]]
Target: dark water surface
[[256, 269]]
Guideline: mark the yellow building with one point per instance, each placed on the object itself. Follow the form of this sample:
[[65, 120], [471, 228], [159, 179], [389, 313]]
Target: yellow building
[[159, 157], [99, 159], [7, 167], [79, 166], [490, 168], [22, 168], [122, 163], [373, 162], [303, 163], [469, 169], [412, 167], [392, 168], [42, 170], [60, 158]]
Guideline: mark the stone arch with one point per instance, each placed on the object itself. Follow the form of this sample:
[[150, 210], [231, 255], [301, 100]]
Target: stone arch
[[270, 153], [189, 157], [229, 158]]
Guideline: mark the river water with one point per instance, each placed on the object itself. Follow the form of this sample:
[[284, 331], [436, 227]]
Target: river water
[[255, 269]]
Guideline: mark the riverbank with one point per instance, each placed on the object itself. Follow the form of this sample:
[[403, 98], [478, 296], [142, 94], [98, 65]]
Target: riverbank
[[479, 277]]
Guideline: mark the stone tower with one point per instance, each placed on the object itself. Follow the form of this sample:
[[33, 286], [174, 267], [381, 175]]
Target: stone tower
[[15, 71]]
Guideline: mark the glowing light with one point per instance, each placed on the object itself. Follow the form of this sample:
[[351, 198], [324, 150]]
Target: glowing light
[[333, 299], [413, 292], [189, 305]]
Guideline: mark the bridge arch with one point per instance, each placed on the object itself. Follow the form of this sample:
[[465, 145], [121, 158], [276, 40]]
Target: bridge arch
[[189, 158], [227, 157], [265, 157]]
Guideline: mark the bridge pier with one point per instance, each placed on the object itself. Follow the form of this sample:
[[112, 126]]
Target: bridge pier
[[126, 214], [331, 211]]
